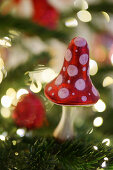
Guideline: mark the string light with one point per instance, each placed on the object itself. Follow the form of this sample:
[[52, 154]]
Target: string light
[[98, 121], [20, 132], [71, 22], [93, 67], [21, 92], [36, 87], [84, 16], [1, 76], [6, 42], [103, 164], [2, 137], [106, 16], [6, 101], [100, 106], [5, 112], [107, 81], [95, 147], [106, 141], [11, 92]]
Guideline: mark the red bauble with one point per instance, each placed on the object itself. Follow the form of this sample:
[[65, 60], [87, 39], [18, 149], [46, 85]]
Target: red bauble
[[45, 14], [29, 112]]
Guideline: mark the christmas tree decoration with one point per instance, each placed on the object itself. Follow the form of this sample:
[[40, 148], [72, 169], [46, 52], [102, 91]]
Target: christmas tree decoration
[[29, 112], [45, 14], [72, 87], [102, 48]]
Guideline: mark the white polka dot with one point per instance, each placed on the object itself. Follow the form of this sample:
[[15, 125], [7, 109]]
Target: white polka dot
[[89, 94], [64, 69], [52, 94], [49, 88], [68, 55], [63, 93], [72, 70], [80, 42], [84, 98], [68, 81], [94, 91], [84, 68], [59, 80], [76, 51], [83, 59], [80, 84], [73, 94]]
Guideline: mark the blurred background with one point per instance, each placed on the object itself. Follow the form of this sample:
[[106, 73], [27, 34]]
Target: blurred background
[[34, 35]]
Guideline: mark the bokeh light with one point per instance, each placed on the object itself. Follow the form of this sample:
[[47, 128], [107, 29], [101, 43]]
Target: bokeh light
[[98, 121], [100, 106]]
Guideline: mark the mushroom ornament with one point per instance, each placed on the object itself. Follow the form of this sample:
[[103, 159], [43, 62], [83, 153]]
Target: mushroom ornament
[[72, 87]]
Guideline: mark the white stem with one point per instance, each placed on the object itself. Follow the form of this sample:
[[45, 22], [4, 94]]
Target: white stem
[[65, 129]]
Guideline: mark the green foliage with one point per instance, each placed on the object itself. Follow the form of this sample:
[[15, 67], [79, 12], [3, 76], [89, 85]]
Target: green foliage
[[49, 154]]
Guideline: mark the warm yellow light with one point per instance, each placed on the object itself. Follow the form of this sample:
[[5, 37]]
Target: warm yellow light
[[84, 4], [6, 101], [20, 132], [5, 112], [84, 16], [1, 76], [1, 63], [106, 141], [95, 147], [14, 142], [16, 153], [93, 67], [21, 92], [81, 4], [5, 42], [36, 87], [2, 137], [107, 81], [98, 121], [71, 22], [107, 17], [112, 59], [47, 75], [11, 92], [100, 106]]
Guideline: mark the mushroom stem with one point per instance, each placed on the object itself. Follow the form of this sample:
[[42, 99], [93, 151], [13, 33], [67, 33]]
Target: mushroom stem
[[65, 128]]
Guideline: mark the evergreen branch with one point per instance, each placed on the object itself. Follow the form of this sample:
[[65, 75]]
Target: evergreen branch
[[49, 154]]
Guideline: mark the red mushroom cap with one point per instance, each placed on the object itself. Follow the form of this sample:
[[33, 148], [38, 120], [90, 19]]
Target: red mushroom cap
[[73, 85]]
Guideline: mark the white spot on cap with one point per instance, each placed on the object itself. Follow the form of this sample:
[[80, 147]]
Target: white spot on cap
[[84, 68], [63, 93], [49, 88], [89, 94], [64, 69], [68, 55], [72, 70], [80, 42], [80, 84], [68, 81], [83, 59], [73, 94], [76, 51], [52, 94], [94, 91], [84, 98], [59, 80]]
